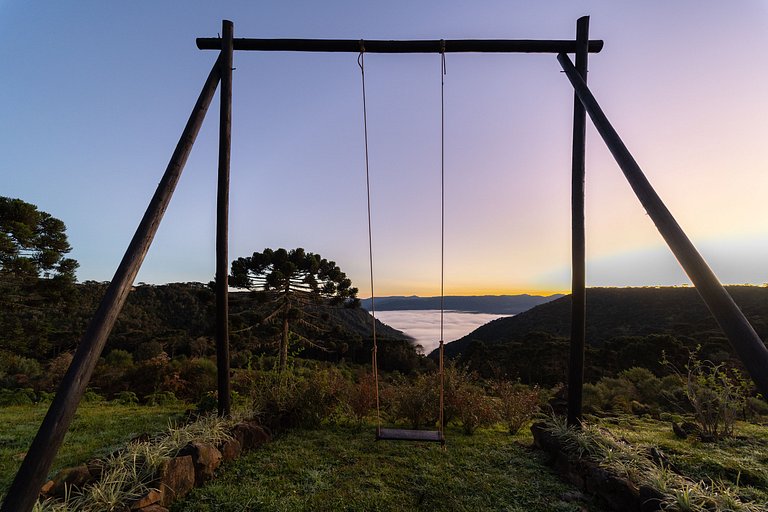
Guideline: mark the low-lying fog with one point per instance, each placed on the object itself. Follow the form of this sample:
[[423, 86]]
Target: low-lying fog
[[424, 325]]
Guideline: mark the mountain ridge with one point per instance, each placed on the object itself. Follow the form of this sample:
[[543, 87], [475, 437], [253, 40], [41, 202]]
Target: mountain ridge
[[491, 304]]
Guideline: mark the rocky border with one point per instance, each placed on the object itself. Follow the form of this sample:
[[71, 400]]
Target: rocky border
[[193, 466], [618, 493]]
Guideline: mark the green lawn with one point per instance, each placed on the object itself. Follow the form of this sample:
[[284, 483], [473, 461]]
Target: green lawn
[[98, 429], [343, 469]]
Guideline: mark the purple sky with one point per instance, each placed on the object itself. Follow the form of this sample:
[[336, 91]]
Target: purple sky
[[95, 95]]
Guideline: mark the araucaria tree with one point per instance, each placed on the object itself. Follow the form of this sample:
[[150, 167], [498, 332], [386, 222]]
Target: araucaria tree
[[32, 243], [34, 275], [294, 281]]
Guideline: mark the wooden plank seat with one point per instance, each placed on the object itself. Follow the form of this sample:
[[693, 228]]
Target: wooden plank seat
[[401, 434]]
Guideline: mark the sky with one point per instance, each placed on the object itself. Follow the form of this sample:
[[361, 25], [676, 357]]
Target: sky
[[95, 95]]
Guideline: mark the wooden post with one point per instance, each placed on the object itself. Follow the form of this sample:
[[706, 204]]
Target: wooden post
[[578, 246], [25, 488], [222, 222], [743, 338]]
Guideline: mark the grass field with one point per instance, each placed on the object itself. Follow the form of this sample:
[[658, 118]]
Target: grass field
[[98, 429], [338, 468], [344, 469], [738, 461]]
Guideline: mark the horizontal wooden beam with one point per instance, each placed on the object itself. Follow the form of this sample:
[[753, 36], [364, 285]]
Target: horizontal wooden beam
[[419, 46]]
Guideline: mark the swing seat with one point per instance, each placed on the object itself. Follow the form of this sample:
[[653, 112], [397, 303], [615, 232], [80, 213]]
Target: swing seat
[[401, 434]]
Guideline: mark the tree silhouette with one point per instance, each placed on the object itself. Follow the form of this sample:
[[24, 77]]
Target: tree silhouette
[[32, 243], [35, 275], [292, 282]]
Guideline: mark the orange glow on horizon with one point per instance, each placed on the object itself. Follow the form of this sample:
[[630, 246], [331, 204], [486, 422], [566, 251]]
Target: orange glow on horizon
[[465, 291]]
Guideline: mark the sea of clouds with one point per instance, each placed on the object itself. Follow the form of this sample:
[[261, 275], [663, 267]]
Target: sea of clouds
[[424, 325]]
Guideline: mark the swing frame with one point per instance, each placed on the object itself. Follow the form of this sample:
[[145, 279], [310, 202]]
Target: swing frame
[[750, 349]]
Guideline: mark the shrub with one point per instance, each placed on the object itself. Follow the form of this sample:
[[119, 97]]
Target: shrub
[[209, 402], [148, 350], [361, 399], [161, 398], [455, 378], [16, 397], [756, 406], [110, 374], [518, 403], [92, 396], [198, 376], [126, 398], [18, 371], [56, 369], [715, 394], [298, 397], [475, 409], [148, 375], [119, 358], [417, 401]]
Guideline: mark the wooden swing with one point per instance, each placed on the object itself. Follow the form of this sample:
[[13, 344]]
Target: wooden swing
[[399, 434]]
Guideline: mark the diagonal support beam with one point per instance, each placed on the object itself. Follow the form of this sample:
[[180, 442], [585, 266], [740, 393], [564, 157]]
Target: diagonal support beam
[[34, 469], [743, 338]]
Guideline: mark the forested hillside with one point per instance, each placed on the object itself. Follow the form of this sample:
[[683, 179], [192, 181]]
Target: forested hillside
[[178, 318], [625, 327]]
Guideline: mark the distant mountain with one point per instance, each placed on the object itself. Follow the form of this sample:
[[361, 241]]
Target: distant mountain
[[491, 304], [626, 328], [618, 312]]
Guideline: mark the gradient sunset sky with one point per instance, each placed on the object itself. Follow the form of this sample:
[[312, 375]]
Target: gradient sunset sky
[[95, 95]]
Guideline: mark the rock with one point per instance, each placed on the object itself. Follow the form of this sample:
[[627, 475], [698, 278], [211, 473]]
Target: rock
[[176, 478], [678, 430], [153, 508], [47, 487], [152, 497], [639, 409], [650, 499], [141, 438], [96, 467], [230, 450], [70, 477], [250, 434], [690, 428], [205, 457], [572, 496]]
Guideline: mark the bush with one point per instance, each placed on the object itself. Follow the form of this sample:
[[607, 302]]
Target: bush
[[119, 358], [715, 394], [361, 398], [149, 374], [126, 398], [161, 398], [17, 371], [298, 397], [417, 401], [455, 378], [10, 397], [56, 369], [518, 403], [475, 409], [92, 396], [198, 376], [209, 402]]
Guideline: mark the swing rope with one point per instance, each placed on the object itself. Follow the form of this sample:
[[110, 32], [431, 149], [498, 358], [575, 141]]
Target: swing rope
[[374, 355], [442, 226], [395, 433]]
